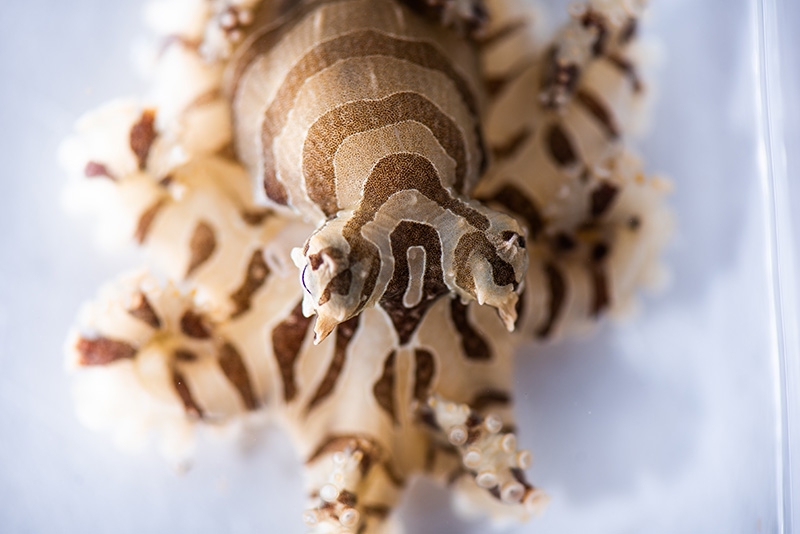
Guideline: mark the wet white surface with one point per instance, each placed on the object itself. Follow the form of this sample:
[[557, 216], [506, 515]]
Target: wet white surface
[[665, 424]]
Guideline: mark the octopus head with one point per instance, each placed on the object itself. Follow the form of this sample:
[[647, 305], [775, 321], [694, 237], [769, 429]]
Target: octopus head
[[491, 266]]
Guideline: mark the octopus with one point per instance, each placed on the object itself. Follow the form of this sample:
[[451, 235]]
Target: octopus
[[352, 213]]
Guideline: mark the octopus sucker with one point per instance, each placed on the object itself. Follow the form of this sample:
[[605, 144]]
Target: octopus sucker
[[353, 212]]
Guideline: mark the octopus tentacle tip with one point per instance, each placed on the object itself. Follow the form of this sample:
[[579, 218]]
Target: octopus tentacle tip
[[323, 327], [508, 312], [536, 501]]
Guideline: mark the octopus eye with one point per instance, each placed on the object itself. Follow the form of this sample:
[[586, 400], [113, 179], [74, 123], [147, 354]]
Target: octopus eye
[[514, 238], [303, 280]]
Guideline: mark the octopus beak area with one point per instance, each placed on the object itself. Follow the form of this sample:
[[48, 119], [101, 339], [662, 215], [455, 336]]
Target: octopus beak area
[[323, 327]]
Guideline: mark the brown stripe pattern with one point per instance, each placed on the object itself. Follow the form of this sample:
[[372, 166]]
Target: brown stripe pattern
[[384, 388], [142, 136], [424, 372], [406, 235], [474, 345], [231, 363], [344, 335], [185, 394], [201, 246], [369, 33], [287, 342], [255, 278], [102, 351], [141, 309]]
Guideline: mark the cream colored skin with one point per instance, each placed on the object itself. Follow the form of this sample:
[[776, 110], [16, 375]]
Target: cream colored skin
[[366, 406]]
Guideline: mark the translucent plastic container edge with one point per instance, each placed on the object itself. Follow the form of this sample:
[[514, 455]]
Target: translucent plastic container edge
[[781, 251]]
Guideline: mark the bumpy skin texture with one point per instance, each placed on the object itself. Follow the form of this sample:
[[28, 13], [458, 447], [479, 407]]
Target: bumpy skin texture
[[370, 131]]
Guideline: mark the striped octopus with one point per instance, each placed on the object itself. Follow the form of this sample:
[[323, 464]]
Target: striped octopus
[[353, 213]]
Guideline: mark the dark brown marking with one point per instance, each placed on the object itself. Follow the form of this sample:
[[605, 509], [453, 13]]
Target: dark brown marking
[[94, 169], [521, 307], [599, 111], [628, 69], [494, 491], [265, 39], [287, 341], [182, 389], [142, 310], [477, 243], [201, 246], [183, 355], [393, 476], [510, 147], [600, 252], [255, 278], [340, 285], [595, 19], [146, 221], [142, 135], [383, 390], [195, 325], [473, 434], [514, 237], [602, 198], [316, 260], [406, 235], [470, 23], [407, 172], [255, 217], [324, 55], [560, 146], [558, 290], [516, 202], [274, 189], [519, 476], [426, 416], [628, 32], [231, 363], [454, 475], [404, 172], [378, 511], [494, 86], [473, 420], [634, 223], [601, 299], [474, 345], [430, 458], [348, 498], [490, 397], [424, 371], [559, 79], [563, 242], [331, 129], [102, 351], [344, 335]]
